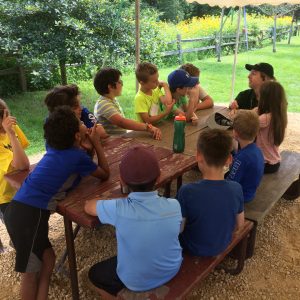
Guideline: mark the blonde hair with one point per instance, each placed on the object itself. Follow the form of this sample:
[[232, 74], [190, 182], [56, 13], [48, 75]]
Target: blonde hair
[[3, 106], [246, 124]]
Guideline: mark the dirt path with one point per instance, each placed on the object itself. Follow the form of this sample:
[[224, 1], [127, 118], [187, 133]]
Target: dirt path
[[273, 272]]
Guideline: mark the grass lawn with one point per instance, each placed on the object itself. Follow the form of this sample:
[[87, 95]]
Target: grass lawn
[[215, 77]]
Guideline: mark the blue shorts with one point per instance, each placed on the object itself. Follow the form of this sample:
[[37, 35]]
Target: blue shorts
[[28, 229]]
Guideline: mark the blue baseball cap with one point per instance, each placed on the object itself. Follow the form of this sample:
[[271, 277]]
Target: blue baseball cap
[[181, 78]]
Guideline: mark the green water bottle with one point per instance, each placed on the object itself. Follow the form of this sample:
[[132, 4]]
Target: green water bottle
[[179, 135]]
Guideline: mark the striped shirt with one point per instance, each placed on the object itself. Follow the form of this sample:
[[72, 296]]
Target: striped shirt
[[104, 109]]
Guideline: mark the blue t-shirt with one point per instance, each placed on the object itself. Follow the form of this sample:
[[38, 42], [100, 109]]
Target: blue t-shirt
[[210, 208], [147, 229], [87, 118], [53, 176], [247, 169]]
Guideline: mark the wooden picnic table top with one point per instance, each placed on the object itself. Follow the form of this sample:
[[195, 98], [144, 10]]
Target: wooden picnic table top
[[172, 165], [167, 128]]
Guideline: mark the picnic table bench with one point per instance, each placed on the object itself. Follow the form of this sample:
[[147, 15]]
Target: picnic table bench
[[284, 183], [193, 270]]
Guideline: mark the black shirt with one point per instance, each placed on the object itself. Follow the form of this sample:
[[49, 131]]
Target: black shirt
[[247, 99]]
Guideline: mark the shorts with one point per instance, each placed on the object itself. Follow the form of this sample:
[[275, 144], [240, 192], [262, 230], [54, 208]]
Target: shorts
[[28, 229]]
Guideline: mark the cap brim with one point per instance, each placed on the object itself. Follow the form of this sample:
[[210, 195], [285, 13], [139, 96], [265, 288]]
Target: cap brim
[[249, 67], [192, 82], [212, 124]]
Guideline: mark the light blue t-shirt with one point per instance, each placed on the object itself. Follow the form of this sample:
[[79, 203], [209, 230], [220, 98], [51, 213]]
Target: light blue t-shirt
[[147, 229]]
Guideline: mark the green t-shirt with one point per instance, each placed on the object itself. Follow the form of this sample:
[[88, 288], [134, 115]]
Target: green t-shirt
[[178, 105], [147, 104]]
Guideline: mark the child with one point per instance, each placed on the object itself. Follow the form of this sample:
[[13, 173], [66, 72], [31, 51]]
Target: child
[[107, 109], [151, 105], [27, 215], [70, 95], [12, 155], [248, 164], [272, 114], [197, 93], [147, 228], [179, 82], [213, 207]]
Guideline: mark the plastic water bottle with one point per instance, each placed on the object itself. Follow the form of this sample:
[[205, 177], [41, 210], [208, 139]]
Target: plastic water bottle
[[179, 135]]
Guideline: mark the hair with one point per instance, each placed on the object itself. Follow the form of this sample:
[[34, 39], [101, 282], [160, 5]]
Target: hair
[[62, 95], [215, 145], [146, 187], [273, 100], [246, 124], [60, 128], [191, 69], [144, 70], [104, 78], [3, 106], [266, 77]]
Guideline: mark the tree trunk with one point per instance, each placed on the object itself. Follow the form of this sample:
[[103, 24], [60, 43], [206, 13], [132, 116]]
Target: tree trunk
[[63, 72]]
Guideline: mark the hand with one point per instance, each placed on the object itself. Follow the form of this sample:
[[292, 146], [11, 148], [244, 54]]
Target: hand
[[234, 105], [169, 107], [156, 132], [8, 122], [93, 135], [162, 84], [101, 131]]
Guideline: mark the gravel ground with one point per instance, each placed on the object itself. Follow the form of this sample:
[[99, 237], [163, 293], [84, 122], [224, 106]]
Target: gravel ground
[[272, 273]]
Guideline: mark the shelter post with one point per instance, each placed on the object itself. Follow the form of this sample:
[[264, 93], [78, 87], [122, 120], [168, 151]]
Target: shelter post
[[137, 37]]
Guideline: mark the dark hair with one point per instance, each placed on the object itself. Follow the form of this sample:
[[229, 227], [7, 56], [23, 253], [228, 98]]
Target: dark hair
[[246, 124], [62, 95], [273, 100], [215, 145], [144, 70], [105, 77], [60, 128], [147, 187], [191, 69]]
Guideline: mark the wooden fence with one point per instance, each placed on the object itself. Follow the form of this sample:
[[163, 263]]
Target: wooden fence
[[216, 43]]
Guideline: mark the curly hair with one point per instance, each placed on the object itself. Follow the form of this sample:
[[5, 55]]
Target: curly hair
[[62, 95], [105, 77], [60, 128], [191, 69], [215, 145]]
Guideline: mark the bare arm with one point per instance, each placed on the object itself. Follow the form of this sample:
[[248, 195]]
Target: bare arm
[[182, 225], [20, 160], [90, 207], [122, 122], [206, 102], [167, 98], [240, 218], [102, 171]]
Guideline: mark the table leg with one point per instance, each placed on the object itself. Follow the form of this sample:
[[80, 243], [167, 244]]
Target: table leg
[[167, 191], [71, 258]]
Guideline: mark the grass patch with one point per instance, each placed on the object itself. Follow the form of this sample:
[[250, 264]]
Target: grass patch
[[215, 77]]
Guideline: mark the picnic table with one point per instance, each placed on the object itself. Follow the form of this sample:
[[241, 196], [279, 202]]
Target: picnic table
[[172, 166]]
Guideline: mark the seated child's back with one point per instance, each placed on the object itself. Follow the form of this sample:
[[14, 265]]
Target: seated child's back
[[212, 207]]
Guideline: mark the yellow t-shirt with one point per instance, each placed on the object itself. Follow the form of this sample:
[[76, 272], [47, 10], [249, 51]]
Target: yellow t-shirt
[[6, 157], [145, 103]]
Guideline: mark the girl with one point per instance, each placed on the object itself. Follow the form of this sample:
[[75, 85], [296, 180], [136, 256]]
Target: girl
[[272, 112], [12, 154]]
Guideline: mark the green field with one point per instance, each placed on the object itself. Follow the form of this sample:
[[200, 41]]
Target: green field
[[215, 77]]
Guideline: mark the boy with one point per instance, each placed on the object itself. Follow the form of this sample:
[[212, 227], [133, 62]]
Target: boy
[[150, 104], [197, 93], [70, 95], [107, 109], [213, 207], [248, 164], [12, 155], [26, 217], [147, 228], [179, 82]]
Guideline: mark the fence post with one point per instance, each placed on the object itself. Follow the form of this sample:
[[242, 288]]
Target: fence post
[[22, 78], [179, 48], [291, 28], [274, 33]]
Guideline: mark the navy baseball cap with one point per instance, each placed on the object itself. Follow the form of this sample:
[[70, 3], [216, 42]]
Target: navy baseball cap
[[262, 67], [181, 78]]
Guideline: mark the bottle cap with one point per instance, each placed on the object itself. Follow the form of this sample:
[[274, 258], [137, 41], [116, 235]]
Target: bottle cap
[[180, 117]]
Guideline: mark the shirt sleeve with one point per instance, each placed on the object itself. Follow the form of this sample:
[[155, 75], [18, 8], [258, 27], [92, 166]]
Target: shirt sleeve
[[202, 93], [105, 109], [21, 137], [106, 211], [241, 200]]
